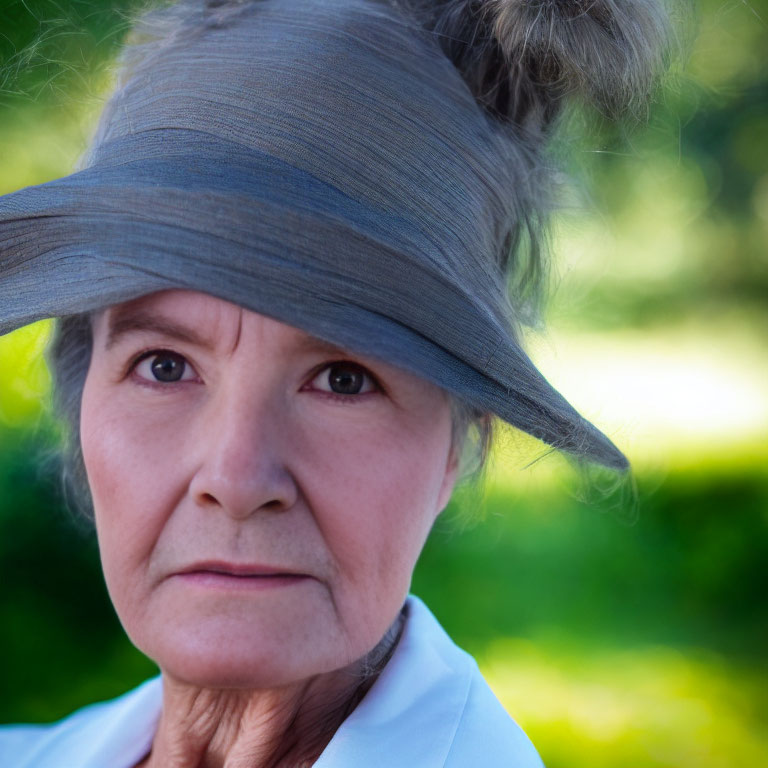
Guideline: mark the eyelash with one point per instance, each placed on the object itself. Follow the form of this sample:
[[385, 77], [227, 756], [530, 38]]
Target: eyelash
[[335, 396]]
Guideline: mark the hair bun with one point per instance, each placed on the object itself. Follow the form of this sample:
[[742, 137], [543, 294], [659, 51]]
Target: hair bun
[[522, 57]]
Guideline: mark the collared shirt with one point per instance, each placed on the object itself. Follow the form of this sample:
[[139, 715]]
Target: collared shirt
[[430, 707]]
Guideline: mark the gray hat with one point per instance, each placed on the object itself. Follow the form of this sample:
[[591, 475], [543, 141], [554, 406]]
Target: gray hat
[[325, 163]]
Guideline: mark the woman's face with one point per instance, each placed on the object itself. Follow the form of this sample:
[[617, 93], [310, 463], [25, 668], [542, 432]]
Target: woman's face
[[261, 497]]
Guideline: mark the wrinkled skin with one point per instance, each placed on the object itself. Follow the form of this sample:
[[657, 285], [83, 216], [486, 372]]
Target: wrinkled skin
[[217, 438]]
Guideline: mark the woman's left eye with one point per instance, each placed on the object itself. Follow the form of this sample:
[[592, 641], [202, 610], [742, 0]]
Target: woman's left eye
[[345, 379], [164, 366]]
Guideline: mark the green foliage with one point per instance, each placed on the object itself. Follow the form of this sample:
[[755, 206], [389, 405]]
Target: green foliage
[[62, 644], [543, 565], [682, 197], [52, 52]]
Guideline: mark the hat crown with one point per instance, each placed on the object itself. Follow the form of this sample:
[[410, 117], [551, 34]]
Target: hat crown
[[354, 93]]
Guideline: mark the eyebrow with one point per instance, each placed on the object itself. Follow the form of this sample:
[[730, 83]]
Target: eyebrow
[[121, 325], [145, 322]]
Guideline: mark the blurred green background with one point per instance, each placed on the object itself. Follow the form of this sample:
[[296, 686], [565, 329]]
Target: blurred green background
[[614, 639]]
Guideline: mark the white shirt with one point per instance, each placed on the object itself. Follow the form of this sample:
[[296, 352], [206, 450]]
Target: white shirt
[[430, 707]]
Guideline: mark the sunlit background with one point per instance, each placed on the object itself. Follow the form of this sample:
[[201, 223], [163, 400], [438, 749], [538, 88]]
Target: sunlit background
[[616, 637]]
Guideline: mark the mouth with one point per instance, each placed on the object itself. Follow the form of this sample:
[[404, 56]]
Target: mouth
[[239, 576]]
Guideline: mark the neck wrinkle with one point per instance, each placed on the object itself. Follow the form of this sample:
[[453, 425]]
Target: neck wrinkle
[[282, 728]]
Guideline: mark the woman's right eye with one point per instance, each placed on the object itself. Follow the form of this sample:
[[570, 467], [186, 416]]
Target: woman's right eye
[[164, 366]]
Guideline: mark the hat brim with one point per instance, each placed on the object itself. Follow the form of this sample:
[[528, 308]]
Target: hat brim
[[260, 233]]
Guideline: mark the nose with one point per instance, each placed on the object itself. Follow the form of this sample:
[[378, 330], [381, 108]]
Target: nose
[[242, 467]]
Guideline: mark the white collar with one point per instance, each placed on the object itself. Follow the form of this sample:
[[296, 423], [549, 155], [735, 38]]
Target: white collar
[[411, 714], [429, 707]]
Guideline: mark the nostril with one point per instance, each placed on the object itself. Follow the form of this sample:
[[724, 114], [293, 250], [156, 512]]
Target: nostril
[[273, 505], [240, 492]]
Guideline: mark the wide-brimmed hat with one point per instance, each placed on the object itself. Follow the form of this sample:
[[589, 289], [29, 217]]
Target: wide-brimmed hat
[[323, 163]]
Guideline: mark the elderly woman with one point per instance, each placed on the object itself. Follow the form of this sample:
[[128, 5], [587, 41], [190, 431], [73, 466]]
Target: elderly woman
[[289, 283]]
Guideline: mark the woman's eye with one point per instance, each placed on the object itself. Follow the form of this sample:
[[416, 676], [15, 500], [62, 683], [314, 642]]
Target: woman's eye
[[345, 379], [166, 367]]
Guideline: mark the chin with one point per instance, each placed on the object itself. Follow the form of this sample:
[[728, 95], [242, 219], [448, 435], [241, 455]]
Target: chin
[[244, 653]]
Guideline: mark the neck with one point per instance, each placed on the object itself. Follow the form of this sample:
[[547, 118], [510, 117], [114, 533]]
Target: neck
[[276, 728]]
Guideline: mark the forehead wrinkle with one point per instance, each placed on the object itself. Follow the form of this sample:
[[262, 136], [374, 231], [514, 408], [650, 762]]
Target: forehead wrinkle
[[238, 331], [136, 317]]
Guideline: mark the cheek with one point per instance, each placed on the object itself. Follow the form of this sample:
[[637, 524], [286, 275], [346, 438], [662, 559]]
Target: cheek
[[376, 498], [124, 460]]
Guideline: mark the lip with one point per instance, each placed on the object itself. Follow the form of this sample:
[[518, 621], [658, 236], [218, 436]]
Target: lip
[[239, 569], [221, 574]]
